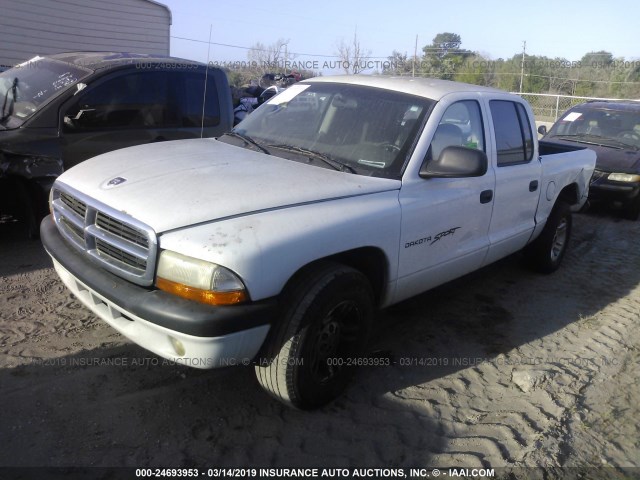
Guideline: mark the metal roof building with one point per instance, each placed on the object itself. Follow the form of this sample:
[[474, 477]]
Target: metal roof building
[[41, 27]]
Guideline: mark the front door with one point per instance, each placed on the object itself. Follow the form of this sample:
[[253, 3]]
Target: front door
[[445, 221], [125, 109]]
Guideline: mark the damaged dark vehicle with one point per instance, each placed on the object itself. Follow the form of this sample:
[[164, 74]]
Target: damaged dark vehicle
[[59, 110], [612, 130]]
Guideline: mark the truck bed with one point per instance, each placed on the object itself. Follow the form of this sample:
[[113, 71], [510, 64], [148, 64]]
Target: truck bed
[[548, 148]]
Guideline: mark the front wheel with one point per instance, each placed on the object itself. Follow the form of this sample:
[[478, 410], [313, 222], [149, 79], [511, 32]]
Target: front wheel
[[546, 252], [632, 209], [313, 350]]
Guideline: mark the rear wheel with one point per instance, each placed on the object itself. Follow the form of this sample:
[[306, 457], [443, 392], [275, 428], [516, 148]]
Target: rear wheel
[[310, 353], [546, 252]]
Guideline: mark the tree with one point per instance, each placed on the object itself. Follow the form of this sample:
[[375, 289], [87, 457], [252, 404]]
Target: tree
[[399, 64], [268, 58], [443, 57], [476, 70], [595, 73], [597, 59], [352, 56], [443, 44]]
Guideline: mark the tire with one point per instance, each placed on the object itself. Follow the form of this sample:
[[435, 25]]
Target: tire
[[325, 325], [632, 209], [28, 213], [546, 252]]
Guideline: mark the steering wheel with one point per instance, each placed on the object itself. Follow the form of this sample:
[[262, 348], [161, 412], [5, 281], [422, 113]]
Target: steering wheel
[[629, 135], [390, 147]]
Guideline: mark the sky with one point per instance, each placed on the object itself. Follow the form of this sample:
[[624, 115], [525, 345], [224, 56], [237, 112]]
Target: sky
[[566, 29]]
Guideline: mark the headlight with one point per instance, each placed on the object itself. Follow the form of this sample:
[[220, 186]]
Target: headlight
[[198, 280], [51, 201], [624, 177]]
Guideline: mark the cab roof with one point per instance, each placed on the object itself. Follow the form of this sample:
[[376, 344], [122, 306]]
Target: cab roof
[[425, 87], [99, 60]]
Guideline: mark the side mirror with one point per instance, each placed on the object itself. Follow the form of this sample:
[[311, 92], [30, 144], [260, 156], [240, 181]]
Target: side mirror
[[456, 162], [542, 129]]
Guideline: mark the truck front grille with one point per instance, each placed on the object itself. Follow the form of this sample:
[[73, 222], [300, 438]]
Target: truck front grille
[[121, 229], [74, 204], [119, 256], [114, 240]]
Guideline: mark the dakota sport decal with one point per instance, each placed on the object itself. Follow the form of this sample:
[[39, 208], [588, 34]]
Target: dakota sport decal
[[431, 240]]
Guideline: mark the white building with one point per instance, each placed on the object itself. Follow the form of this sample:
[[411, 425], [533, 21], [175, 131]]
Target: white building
[[41, 27]]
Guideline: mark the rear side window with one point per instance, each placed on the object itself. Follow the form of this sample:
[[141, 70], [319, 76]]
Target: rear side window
[[514, 138]]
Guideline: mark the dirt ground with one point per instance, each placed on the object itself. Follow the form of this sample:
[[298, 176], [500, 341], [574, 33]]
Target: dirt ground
[[503, 368]]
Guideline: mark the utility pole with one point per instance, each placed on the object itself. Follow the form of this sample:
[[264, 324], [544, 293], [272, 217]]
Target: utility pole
[[524, 48], [415, 58]]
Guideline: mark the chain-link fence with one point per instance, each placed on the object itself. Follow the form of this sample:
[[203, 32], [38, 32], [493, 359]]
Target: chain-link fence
[[548, 107]]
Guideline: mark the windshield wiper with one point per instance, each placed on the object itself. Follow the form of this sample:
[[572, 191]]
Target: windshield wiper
[[323, 157], [598, 140], [248, 140], [11, 89]]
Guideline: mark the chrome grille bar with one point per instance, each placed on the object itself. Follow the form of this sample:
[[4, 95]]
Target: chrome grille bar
[[112, 239]]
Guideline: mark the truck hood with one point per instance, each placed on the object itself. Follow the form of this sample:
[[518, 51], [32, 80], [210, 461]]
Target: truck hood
[[170, 185], [609, 159]]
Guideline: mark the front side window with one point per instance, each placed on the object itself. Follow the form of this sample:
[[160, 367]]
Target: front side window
[[514, 140], [369, 131], [460, 126], [132, 100]]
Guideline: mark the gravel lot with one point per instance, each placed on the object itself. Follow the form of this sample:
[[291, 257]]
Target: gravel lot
[[503, 368]]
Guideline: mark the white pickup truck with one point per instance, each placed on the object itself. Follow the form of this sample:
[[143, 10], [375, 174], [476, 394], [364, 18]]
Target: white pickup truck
[[275, 243]]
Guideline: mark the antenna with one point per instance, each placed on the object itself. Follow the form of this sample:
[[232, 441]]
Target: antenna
[[206, 78], [415, 58]]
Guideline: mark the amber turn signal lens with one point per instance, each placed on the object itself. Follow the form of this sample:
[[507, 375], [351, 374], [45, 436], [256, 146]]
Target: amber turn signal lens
[[203, 296]]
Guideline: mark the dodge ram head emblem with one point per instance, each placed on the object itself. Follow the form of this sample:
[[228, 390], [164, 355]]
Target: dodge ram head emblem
[[116, 181]]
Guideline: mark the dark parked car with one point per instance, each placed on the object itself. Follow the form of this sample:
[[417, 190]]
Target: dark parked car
[[612, 129], [62, 109]]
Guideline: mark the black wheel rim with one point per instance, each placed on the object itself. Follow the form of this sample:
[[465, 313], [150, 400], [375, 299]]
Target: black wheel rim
[[334, 341]]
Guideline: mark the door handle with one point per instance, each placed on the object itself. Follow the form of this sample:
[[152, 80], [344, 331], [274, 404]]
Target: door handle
[[533, 185], [486, 196]]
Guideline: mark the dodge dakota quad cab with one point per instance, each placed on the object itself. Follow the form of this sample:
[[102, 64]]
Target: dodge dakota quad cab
[[59, 110], [275, 243]]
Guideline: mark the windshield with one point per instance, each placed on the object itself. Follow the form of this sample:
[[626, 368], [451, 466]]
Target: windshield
[[601, 126], [351, 128], [30, 85]]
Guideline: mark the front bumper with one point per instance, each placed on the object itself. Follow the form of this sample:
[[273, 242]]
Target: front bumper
[[601, 188], [180, 330]]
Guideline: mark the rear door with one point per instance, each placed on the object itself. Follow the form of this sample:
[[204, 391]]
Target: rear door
[[518, 175]]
